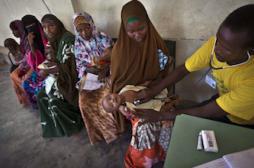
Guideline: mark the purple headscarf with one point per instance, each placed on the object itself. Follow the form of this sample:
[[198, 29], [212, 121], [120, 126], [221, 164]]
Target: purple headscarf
[[24, 45]]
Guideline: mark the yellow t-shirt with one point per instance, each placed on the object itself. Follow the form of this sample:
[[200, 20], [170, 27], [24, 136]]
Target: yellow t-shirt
[[235, 84]]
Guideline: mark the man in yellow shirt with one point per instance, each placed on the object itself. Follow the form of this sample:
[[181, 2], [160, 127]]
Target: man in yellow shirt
[[230, 58]]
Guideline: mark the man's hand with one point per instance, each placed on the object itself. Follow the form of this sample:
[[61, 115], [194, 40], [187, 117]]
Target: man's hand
[[153, 116], [144, 96]]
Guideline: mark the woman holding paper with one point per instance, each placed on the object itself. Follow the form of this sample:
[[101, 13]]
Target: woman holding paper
[[92, 53], [58, 101]]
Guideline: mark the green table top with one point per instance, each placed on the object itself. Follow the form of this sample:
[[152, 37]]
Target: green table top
[[183, 153]]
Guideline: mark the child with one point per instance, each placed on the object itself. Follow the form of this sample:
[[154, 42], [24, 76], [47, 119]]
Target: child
[[149, 140], [14, 54]]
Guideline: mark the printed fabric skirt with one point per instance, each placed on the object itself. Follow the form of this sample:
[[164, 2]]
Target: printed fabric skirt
[[58, 117], [16, 79], [32, 87], [148, 145], [100, 125]]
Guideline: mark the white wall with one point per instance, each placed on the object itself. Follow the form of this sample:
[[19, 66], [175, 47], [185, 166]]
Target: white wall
[[189, 22], [178, 19], [15, 9]]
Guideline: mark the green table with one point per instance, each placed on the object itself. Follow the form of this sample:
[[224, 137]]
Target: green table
[[183, 153]]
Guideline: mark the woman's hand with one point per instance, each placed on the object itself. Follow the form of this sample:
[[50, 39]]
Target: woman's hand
[[49, 53], [30, 38], [104, 73], [27, 75], [105, 55], [53, 68], [92, 69], [43, 73]]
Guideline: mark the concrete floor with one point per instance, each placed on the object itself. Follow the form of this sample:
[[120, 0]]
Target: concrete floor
[[22, 146]]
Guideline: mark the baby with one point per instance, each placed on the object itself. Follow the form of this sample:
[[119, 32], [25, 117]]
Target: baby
[[149, 139], [124, 101]]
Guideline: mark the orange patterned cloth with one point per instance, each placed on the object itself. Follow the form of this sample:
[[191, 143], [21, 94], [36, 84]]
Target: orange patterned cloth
[[80, 20], [143, 159], [145, 149], [100, 125], [16, 79]]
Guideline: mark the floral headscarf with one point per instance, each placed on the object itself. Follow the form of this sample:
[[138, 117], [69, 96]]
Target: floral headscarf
[[86, 50]]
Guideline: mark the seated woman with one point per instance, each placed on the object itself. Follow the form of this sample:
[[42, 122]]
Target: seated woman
[[149, 141], [58, 100], [19, 74], [33, 81], [92, 49], [18, 31], [139, 54]]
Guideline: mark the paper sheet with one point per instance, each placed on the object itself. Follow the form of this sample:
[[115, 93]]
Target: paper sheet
[[92, 82], [243, 159], [49, 82], [218, 163]]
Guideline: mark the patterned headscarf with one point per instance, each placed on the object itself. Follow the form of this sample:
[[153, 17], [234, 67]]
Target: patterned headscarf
[[83, 17], [86, 50]]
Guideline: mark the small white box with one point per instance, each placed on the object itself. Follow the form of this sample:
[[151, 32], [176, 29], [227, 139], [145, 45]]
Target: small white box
[[200, 143], [209, 141]]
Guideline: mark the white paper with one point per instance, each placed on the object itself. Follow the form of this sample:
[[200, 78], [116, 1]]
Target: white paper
[[243, 159], [92, 82], [49, 82], [218, 163], [210, 81]]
